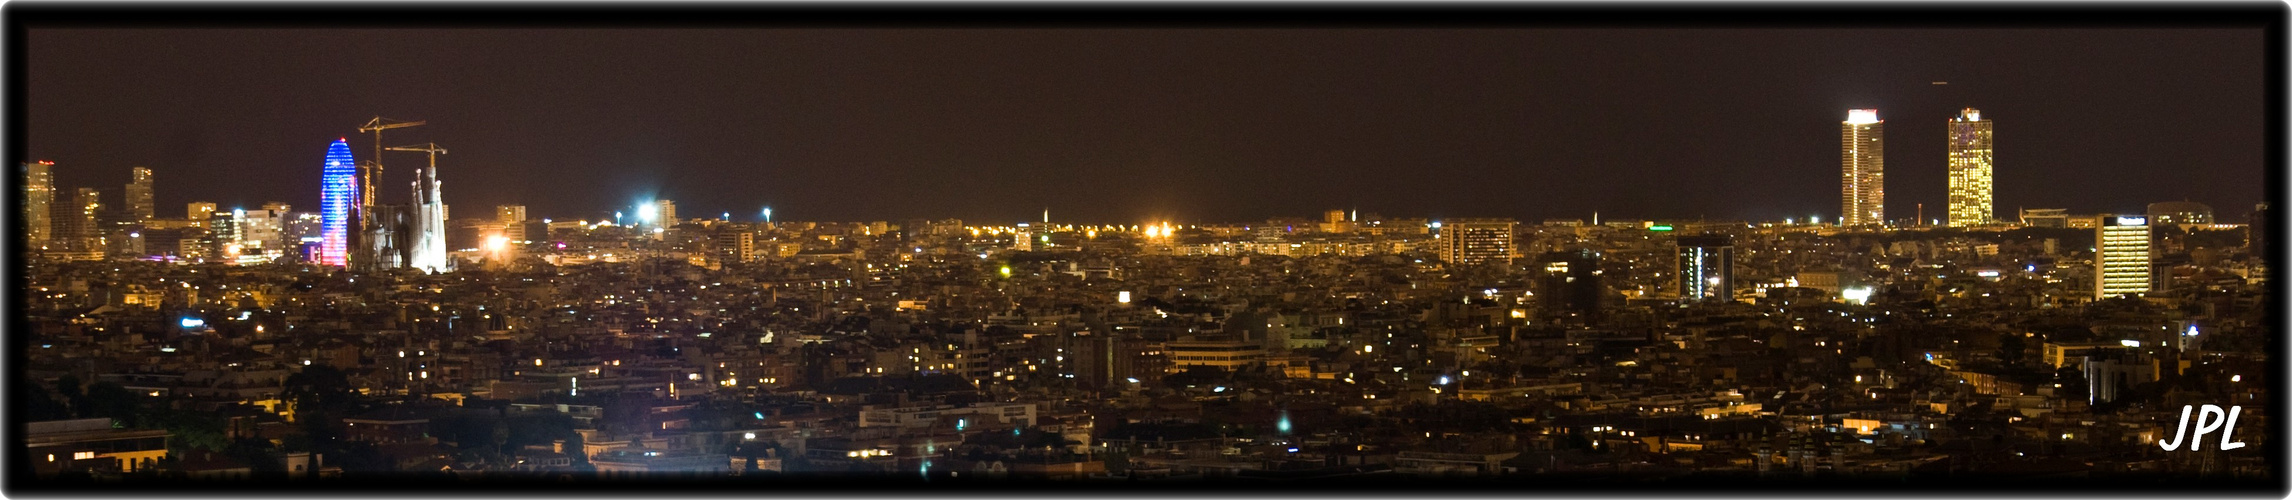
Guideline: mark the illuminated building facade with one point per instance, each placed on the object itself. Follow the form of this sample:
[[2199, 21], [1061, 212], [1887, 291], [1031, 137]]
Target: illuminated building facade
[[86, 206], [39, 193], [1472, 242], [337, 186], [1862, 148], [198, 210], [1970, 154], [139, 206], [1706, 268], [2121, 256], [2179, 212], [429, 225], [736, 245], [512, 218], [665, 213]]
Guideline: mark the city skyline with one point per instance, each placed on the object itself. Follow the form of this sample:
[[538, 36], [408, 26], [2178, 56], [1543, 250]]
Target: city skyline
[[1189, 162], [1135, 254]]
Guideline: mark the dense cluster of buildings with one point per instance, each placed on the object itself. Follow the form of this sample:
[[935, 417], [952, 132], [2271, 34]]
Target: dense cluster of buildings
[[368, 338]]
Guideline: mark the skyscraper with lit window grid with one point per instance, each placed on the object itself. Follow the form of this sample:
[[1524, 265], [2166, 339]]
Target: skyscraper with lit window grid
[[1969, 169], [1862, 147], [337, 184]]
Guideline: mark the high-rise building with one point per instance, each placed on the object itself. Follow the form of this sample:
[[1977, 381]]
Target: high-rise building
[[39, 193], [1970, 154], [736, 245], [139, 206], [1334, 221], [429, 239], [1472, 242], [665, 212], [1862, 147], [2256, 231], [1706, 268], [337, 192], [2121, 254], [1571, 284], [86, 206], [512, 218]]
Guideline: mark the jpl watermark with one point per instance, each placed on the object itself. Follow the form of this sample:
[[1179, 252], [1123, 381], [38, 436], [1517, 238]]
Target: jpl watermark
[[2212, 418]]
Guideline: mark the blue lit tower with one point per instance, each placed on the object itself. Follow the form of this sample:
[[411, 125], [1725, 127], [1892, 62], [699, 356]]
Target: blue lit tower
[[337, 185]]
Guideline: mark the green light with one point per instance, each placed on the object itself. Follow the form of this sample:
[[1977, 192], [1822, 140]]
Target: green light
[[1659, 228]]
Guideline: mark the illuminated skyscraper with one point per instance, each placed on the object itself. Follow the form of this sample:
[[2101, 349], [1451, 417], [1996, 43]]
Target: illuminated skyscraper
[[666, 213], [2121, 254], [1969, 169], [39, 193], [337, 190], [139, 207], [1706, 268], [1472, 242], [86, 206], [1862, 148]]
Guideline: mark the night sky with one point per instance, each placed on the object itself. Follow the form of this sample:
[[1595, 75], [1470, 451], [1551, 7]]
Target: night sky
[[1128, 126]]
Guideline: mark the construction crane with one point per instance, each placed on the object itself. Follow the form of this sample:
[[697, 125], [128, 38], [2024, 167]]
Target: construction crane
[[374, 164], [427, 147]]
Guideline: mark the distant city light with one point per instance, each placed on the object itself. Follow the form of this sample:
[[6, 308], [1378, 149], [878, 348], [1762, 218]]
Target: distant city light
[[2129, 343], [1659, 228], [1856, 295], [193, 322]]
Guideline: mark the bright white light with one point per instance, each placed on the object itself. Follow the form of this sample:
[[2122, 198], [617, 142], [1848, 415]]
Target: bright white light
[[2129, 343], [496, 243], [1856, 295], [648, 211], [193, 322], [1122, 297], [2192, 331], [2236, 378], [1436, 224], [1861, 116]]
